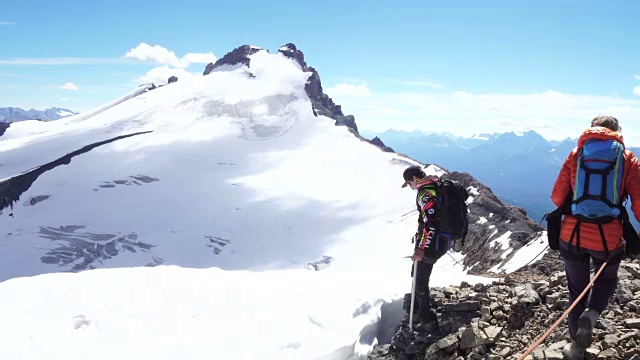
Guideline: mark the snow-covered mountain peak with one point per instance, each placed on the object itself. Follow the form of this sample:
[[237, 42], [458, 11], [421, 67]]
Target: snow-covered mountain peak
[[200, 160]]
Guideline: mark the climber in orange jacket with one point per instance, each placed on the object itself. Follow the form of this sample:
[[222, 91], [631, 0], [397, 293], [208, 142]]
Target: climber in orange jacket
[[591, 245]]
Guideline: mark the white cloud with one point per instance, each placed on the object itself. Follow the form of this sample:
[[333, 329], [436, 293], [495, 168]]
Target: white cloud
[[160, 75], [155, 54], [637, 77], [198, 58], [69, 86], [172, 65], [159, 55], [428, 83], [636, 90], [348, 90], [6, 23], [143, 52]]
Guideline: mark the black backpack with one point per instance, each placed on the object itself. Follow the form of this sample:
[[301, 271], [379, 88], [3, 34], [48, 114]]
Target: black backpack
[[451, 206]]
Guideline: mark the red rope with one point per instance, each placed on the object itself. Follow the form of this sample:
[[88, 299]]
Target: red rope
[[564, 315]]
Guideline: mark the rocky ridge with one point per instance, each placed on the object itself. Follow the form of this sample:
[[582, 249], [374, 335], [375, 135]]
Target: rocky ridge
[[482, 251], [501, 320]]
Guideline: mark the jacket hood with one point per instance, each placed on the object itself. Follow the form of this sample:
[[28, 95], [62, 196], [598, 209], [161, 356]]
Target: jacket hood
[[599, 133]]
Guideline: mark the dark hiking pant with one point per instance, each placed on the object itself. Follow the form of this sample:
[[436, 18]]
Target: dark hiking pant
[[423, 299], [577, 267]]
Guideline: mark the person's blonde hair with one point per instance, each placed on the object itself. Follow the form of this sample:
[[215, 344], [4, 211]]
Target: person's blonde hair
[[607, 121]]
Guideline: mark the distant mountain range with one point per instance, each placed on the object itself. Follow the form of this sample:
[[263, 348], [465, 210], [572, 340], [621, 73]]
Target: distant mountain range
[[519, 167], [13, 114]]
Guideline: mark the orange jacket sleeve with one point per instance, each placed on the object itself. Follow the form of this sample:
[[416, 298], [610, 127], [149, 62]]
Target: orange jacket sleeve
[[564, 183], [632, 182]]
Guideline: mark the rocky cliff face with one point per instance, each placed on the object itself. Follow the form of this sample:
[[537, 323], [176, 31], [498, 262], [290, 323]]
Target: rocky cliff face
[[321, 102], [239, 55], [489, 220], [3, 127], [501, 320], [378, 142]]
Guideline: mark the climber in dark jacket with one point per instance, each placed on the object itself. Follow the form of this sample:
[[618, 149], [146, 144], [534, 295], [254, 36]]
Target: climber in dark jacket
[[428, 248]]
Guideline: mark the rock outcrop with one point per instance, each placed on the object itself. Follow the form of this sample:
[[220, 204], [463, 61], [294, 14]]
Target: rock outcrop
[[378, 142], [239, 55], [321, 102], [3, 127], [489, 220]]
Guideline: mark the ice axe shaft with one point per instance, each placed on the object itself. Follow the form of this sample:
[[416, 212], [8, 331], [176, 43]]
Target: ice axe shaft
[[413, 293]]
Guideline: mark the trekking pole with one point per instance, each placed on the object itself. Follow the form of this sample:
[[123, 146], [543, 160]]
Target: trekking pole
[[455, 262], [564, 315], [413, 294]]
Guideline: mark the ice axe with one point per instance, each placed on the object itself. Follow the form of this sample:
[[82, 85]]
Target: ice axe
[[413, 294]]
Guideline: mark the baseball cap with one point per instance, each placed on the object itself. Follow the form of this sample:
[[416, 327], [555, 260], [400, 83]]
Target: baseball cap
[[410, 172]]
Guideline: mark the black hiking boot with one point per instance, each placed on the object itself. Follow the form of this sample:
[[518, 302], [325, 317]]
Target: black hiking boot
[[573, 351], [405, 320], [586, 323], [429, 324]]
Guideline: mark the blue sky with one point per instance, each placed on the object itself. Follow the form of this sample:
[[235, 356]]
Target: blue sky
[[433, 65]]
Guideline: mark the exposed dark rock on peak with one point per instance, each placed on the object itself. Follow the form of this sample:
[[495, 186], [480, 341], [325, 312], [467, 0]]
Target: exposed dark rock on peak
[[239, 55], [378, 142], [3, 127], [289, 50], [150, 87], [321, 102]]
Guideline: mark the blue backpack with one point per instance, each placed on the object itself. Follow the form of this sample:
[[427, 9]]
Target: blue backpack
[[596, 197]]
